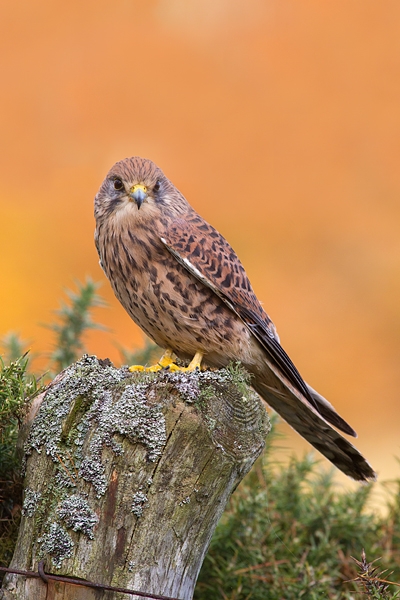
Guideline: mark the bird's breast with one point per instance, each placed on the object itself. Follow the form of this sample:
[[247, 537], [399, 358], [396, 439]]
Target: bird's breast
[[171, 306]]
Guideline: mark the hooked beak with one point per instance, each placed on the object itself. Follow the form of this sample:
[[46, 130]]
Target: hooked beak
[[138, 193]]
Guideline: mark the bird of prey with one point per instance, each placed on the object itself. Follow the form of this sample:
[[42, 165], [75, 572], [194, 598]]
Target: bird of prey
[[183, 284]]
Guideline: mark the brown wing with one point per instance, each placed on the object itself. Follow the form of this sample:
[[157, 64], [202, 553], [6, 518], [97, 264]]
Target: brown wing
[[208, 256]]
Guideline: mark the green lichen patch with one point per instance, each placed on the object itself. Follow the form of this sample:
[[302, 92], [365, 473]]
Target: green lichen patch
[[113, 405], [81, 379], [138, 503], [195, 386], [45, 506], [107, 401], [94, 412], [131, 566], [57, 543], [129, 416], [31, 501], [77, 515]]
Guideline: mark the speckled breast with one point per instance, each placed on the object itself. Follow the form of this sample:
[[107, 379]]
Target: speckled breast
[[167, 302]]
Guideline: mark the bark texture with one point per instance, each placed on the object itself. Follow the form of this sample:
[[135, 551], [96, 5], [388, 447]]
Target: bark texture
[[127, 476]]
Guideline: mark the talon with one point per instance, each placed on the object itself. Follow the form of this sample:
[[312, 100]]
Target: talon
[[174, 368], [167, 362], [167, 359], [154, 368], [134, 368], [195, 363]]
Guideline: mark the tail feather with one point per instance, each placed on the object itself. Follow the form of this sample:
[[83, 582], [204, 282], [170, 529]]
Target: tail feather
[[326, 409], [312, 425]]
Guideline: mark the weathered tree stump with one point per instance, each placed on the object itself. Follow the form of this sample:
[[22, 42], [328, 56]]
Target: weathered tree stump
[[127, 476]]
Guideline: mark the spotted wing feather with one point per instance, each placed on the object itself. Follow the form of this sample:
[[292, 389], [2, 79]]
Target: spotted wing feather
[[189, 242], [206, 253], [208, 256]]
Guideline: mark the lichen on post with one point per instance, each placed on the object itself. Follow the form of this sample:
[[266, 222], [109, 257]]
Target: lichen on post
[[127, 476]]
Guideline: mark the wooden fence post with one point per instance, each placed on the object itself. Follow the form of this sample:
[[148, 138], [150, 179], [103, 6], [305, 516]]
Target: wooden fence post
[[127, 476]]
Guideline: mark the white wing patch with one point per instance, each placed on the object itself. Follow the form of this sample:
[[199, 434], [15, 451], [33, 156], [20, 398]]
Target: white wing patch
[[102, 267], [195, 271]]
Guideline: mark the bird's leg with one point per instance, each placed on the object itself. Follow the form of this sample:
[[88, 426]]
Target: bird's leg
[[165, 361], [194, 365]]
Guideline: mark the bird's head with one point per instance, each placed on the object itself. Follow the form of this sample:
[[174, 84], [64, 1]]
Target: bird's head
[[136, 187]]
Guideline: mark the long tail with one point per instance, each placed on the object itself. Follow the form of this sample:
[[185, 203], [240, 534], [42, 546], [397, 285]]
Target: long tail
[[311, 422]]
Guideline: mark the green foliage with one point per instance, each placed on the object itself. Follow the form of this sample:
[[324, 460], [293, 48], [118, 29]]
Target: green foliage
[[373, 582], [287, 533], [13, 347], [16, 386], [74, 320]]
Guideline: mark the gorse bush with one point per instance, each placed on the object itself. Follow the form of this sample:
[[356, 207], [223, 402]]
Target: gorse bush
[[287, 533], [74, 320], [16, 386]]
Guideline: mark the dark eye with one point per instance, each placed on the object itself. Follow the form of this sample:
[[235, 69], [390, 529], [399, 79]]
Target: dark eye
[[118, 185], [157, 186]]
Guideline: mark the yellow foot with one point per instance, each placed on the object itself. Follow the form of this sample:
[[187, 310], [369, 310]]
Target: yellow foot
[[195, 364], [167, 362]]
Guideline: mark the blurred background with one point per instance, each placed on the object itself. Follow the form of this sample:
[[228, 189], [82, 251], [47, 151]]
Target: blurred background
[[279, 121]]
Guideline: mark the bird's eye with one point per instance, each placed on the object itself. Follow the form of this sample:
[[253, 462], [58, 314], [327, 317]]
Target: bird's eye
[[118, 185], [157, 186]]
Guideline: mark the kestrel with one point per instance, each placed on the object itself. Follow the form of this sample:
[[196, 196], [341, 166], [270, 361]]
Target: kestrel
[[183, 284]]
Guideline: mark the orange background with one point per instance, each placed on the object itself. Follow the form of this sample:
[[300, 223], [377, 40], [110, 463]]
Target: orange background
[[280, 122]]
